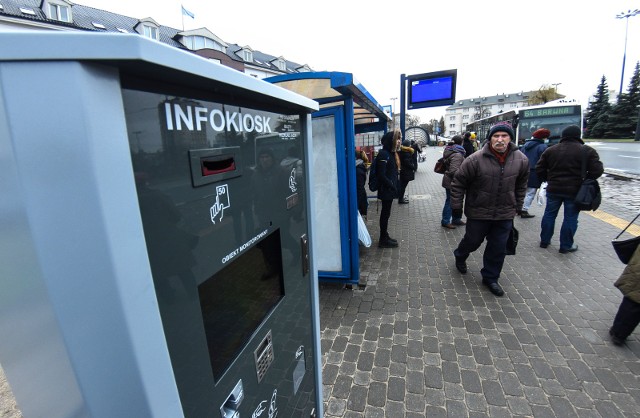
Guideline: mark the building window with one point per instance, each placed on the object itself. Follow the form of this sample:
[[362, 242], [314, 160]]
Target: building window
[[500, 106], [59, 12], [150, 32], [465, 117], [452, 118], [196, 42], [282, 66], [247, 55]]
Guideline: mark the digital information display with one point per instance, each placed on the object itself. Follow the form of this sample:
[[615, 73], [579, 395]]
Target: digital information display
[[432, 89]]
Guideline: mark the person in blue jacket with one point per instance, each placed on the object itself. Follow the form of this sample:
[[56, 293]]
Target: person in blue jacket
[[533, 149]]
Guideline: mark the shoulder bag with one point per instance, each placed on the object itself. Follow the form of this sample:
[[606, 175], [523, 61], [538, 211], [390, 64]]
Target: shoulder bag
[[625, 248], [588, 197]]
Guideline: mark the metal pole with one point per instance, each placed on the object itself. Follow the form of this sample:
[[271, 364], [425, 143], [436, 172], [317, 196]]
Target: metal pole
[[626, 15]]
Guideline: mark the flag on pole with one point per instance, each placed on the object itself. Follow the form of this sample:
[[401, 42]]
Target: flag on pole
[[185, 12]]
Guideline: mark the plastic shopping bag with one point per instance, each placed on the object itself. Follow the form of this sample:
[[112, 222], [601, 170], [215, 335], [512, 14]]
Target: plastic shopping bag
[[542, 194], [363, 233]]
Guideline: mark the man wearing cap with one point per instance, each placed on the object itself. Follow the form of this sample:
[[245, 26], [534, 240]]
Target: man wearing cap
[[533, 149], [561, 167], [494, 181]]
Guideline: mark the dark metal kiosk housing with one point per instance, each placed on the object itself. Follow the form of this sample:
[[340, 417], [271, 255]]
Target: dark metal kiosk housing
[[346, 109], [155, 216]]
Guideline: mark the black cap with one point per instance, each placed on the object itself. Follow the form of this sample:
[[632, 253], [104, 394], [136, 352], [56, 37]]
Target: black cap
[[501, 127], [572, 131]]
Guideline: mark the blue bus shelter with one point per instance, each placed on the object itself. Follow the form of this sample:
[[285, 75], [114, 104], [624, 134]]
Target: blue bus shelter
[[346, 108]]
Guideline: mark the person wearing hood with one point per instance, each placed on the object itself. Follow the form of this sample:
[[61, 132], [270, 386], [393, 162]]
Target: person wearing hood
[[361, 180], [533, 149], [494, 180], [407, 169], [561, 167], [453, 155], [387, 175]]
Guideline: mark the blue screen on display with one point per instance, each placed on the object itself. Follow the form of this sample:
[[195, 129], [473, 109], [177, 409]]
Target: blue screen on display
[[432, 89]]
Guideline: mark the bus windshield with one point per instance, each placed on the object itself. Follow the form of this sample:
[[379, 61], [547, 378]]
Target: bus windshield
[[554, 118]]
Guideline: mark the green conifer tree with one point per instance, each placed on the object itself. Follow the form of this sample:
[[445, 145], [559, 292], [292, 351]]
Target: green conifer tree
[[623, 118], [598, 111]]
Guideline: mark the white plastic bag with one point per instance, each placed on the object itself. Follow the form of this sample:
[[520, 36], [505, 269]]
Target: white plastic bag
[[542, 194], [363, 233]]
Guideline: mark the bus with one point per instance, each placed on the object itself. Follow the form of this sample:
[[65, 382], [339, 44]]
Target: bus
[[555, 116]]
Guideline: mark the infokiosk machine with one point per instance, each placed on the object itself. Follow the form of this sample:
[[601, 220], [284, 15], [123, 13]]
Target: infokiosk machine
[[155, 254]]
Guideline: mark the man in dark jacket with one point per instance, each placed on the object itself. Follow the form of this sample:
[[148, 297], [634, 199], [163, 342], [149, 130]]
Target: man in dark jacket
[[494, 180], [407, 169], [561, 167], [387, 174], [467, 144], [533, 149]]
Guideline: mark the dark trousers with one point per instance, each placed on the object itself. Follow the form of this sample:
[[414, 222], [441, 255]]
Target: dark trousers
[[403, 188], [385, 213], [627, 318], [496, 233]]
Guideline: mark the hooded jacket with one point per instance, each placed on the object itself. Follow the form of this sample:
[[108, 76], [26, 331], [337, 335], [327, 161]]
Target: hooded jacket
[[560, 166], [533, 149], [386, 169], [493, 191], [453, 157]]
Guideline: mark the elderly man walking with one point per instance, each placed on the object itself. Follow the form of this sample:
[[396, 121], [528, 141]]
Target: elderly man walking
[[561, 167], [494, 181]]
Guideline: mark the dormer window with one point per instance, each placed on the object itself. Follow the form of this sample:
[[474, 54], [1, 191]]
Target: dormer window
[[150, 32], [201, 39], [148, 28], [247, 54], [58, 10], [280, 63], [196, 42]]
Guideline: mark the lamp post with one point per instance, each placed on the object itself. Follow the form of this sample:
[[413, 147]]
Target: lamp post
[[393, 110], [626, 15], [555, 89]]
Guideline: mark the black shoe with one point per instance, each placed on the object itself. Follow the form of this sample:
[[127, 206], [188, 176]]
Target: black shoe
[[525, 214], [449, 226], [544, 244], [459, 223], [494, 288], [403, 201], [615, 339], [387, 243], [461, 265], [573, 249]]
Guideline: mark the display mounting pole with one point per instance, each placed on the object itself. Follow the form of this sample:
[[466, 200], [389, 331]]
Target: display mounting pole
[[402, 102]]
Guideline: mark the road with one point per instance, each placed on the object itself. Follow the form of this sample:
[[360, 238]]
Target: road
[[622, 156]]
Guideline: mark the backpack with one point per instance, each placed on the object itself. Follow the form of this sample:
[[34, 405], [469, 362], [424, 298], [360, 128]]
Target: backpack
[[373, 176]]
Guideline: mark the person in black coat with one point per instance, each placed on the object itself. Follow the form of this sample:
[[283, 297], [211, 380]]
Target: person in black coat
[[408, 167], [387, 175], [467, 144], [533, 149], [361, 180]]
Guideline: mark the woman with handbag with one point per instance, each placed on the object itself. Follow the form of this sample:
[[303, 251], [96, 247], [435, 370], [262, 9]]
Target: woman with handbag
[[628, 315]]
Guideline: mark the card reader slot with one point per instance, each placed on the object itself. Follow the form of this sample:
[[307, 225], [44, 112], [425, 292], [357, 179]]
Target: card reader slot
[[211, 166]]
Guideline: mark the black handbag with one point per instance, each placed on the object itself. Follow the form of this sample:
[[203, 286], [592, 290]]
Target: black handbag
[[625, 248], [588, 197], [512, 241]]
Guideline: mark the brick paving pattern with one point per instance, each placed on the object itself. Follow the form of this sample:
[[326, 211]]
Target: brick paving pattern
[[421, 340]]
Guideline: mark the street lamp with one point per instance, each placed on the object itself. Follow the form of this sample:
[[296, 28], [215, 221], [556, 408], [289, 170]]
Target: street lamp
[[555, 89], [626, 15], [393, 110]]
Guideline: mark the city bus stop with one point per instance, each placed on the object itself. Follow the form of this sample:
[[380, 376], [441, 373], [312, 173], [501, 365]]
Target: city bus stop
[[346, 109]]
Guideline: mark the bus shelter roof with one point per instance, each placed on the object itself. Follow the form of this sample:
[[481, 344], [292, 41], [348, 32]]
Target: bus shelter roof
[[332, 89]]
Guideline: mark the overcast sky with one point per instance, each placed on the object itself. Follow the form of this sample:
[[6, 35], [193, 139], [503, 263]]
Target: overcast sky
[[497, 46]]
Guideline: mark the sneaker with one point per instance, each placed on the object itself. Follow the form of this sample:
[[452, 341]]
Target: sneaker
[[615, 339], [525, 214], [573, 249], [403, 201]]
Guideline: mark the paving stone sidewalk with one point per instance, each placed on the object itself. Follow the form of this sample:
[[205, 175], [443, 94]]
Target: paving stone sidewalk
[[421, 340]]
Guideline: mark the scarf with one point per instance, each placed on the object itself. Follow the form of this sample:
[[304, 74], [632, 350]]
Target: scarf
[[501, 157]]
